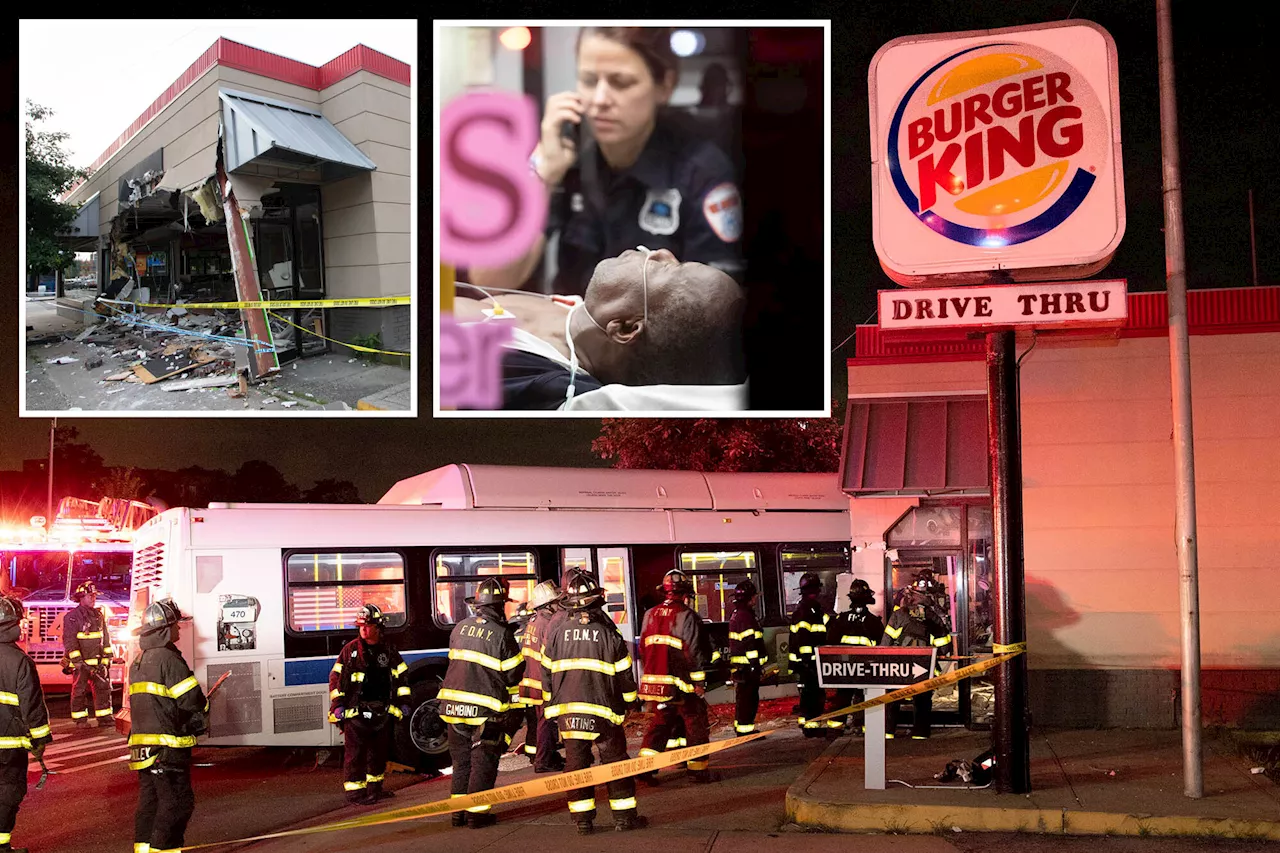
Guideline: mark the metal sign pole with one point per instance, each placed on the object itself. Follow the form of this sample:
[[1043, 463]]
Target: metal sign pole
[[873, 748]]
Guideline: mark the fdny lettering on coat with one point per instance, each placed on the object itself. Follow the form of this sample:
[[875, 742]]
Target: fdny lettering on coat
[[485, 634], [590, 635]]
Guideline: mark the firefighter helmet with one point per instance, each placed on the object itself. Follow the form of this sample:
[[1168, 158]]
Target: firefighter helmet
[[676, 582], [810, 581], [582, 590], [86, 588], [744, 591], [10, 610], [160, 615], [490, 591], [545, 593], [924, 581], [371, 614], [860, 594]]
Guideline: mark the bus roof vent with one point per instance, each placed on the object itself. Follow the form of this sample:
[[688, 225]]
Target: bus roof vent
[[776, 491], [148, 567]]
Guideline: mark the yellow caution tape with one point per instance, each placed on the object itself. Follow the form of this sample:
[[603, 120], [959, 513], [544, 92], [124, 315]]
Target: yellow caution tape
[[561, 783], [1012, 648], [332, 341], [923, 686], [366, 302]]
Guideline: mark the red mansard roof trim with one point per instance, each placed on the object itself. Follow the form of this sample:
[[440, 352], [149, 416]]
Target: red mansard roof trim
[[235, 55], [1221, 311]]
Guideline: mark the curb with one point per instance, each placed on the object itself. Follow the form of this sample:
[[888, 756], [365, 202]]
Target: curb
[[809, 812]]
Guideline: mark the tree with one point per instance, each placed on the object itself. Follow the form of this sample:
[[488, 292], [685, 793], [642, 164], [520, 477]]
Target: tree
[[76, 466], [125, 484], [332, 492], [711, 444], [259, 482], [49, 175]]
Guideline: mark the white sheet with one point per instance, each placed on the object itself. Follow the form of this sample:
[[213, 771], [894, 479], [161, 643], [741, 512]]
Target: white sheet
[[661, 398]]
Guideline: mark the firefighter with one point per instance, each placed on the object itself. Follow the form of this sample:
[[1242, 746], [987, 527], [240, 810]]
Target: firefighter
[[746, 656], [24, 720], [168, 710], [86, 638], [857, 626], [675, 652], [919, 620], [367, 691], [808, 630], [588, 679], [541, 739], [477, 697]]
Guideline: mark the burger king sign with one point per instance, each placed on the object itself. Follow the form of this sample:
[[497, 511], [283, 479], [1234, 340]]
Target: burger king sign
[[996, 150]]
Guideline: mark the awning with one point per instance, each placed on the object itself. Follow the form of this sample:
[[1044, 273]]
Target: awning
[[924, 445], [275, 133], [82, 234]]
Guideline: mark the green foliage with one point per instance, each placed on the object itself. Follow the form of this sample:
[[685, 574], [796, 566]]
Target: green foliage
[[371, 341], [722, 444], [49, 175]]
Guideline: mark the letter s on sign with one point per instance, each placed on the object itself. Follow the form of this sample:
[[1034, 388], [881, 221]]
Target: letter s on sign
[[491, 206]]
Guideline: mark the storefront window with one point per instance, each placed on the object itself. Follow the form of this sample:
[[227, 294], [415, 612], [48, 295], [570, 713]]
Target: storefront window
[[327, 590]]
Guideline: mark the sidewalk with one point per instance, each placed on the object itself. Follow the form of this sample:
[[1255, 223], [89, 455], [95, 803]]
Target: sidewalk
[[1073, 789]]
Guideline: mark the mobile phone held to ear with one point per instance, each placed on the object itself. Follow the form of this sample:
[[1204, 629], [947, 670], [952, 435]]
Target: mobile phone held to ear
[[571, 132]]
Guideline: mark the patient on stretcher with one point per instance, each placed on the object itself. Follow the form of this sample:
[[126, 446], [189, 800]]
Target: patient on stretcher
[[670, 331]]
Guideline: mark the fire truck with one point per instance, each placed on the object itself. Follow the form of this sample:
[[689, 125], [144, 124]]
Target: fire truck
[[87, 541]]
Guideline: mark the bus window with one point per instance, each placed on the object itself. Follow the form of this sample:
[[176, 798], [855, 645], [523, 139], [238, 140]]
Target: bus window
[[458, 573], [714, 575], [327, 589], [826, 560]]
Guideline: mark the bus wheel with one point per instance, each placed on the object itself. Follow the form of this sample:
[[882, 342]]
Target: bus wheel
[[422, 738]]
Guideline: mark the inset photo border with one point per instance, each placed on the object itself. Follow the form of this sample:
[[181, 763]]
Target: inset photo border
[[231, 232], [632, 220]]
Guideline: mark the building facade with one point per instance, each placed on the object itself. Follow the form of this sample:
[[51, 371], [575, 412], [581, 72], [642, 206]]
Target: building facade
[[1102, 576], [319, 157]]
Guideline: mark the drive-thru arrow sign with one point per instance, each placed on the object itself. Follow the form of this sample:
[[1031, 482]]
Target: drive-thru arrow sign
[[874, 666]]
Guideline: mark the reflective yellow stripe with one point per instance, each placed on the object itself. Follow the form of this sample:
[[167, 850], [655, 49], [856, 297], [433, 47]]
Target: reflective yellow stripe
[[183, 687], [8, 698], [75, 715], [488, 661], [378, 778], [354, 786], [715, 656], [646, 751], [744, 729], [143, 764], [629, 697], [623, 665], [580, 735], [851, 640], [172, 741], [667, 679], [622, 804], [91, 661], [75, 654], [39, 732], [806, 650], [467, 721], [585, 663], [337, 667], [400, 669], [809, 626], [148, 687], [476, 698], [793, 656], [583, 708], [531, 653], [740, 635], [395, 711], [334, 694], [15, 743], [698, 764], [697, 676], [738, 659], [664, 640], [577, 806], [102, 712], [893, 632], [759, 634], [753, 653], [88, 635], [835, 724], [141, 847], [942, 641], [4, 838], [534, 683], [357, 676], [403, 691]]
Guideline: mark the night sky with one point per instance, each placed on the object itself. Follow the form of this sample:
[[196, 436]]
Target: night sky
[[1227, 108]]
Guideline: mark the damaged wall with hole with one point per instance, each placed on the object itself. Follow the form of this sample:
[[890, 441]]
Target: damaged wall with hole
[[320, 159]]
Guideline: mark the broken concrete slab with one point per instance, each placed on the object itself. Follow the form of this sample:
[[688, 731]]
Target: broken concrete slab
[[219, 381], [63, 359], [119, 377]]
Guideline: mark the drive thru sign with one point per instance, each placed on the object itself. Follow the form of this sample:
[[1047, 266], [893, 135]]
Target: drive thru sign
[[874, 666], [875, 669]]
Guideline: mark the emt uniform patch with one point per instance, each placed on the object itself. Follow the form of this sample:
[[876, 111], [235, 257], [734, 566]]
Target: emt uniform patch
[[660, 213], [723, 209]]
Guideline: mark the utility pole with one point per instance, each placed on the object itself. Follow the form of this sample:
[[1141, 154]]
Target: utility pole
[[1253, 241], [48, 506], [1184, 450]]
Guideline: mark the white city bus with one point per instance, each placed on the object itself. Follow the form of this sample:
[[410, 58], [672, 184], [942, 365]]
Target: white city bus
[[273, 589]]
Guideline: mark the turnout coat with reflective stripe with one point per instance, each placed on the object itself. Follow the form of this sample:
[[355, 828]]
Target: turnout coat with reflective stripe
[[675, 652], [531, 638], [166, 708], [24, 720], [485, 669], [857, 627], [85, 636], [586, 673], [359, 662], [916, 623], [746, 639], [808, 630]]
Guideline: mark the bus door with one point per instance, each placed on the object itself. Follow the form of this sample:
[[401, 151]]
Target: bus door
[[612, 567]]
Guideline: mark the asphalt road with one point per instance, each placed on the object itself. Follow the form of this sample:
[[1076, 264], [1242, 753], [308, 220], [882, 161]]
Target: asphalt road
[[88, 804]]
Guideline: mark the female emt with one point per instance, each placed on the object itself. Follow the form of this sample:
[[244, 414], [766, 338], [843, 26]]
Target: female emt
[[636, 178]]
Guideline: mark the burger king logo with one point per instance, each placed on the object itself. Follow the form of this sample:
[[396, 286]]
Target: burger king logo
[[997, 144]]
